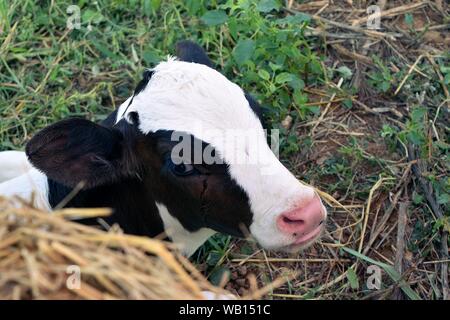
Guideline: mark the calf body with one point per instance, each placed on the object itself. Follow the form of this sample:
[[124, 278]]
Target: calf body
[[13, 164]]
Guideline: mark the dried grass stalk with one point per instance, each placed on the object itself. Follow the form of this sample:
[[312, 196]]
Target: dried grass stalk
[[40, 254]]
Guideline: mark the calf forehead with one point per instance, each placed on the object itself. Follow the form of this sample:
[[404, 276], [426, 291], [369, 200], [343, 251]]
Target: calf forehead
[[182, 95]]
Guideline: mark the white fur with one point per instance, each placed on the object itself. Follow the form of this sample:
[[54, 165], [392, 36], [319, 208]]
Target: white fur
[[208, 295], [187, 241], [196, 99], [31, 187], [13, 164]]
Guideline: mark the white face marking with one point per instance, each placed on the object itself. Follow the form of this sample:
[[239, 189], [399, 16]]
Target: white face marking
[[31, 187], [187, 241], [196, 99], [13, 164], [122, 108]]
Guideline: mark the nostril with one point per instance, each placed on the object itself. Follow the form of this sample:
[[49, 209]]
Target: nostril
[[291, 221]]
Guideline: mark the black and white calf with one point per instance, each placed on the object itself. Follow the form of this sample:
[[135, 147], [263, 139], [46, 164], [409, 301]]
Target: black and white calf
[[127, 163]]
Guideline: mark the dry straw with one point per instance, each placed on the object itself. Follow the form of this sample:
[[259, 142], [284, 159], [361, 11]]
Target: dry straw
[[41, 254]]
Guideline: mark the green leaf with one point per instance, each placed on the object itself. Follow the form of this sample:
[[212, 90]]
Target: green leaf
[[393, 274], [92, 16], [150, 57], [283, 78], [297, 19], [385, 86], [156, 4], [268, 5], [348, 103], [214, 17], [233, 27], [243, 51], [417, 198], [444, 198], [418, 114], [299, 98], [314, 110], [213, 258], [193, 6], [274, 66], [104, 50], [409, 19], [442, 145], [415, 137], [447, 78], [345, 72], [247, 250], [296, 83], [150, 6], [353, 279], [218, 274], [147, 8], [272, 88], [263, 74], [445, 69]]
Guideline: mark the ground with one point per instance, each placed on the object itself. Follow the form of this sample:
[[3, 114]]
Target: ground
[[363, 112]]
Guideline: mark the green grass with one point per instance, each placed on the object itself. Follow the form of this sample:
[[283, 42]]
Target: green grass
[[48, 73]]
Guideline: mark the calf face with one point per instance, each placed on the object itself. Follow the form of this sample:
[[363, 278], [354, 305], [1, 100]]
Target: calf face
[[244, 191]]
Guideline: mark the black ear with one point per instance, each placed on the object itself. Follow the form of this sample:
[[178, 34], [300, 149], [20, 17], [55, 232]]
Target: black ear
[[77, 150], [191, 52]]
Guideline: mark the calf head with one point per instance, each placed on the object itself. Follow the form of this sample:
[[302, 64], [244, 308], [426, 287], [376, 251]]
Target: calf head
[[243, 191]]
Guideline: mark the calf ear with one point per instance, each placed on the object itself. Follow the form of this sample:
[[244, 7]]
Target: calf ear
[[191, 52], [77, 150]]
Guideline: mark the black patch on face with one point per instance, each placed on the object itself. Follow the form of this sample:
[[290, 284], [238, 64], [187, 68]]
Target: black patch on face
[[208, 197], [146, 76]]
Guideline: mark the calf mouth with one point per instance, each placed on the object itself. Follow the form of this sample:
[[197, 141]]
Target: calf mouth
[[305, 241]]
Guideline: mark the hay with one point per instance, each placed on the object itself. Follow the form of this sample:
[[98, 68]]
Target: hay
[[41, 254]]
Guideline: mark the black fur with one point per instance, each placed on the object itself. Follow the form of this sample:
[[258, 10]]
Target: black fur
[[146, 76], [134, 208], [191, 52]]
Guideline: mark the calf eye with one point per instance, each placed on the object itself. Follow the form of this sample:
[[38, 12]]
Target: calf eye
[[182, 169]]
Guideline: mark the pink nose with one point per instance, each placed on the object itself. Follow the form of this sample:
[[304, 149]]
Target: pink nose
[[302, 220]]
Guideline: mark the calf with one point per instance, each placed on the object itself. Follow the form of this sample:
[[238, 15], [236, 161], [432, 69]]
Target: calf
[[131, 163]]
